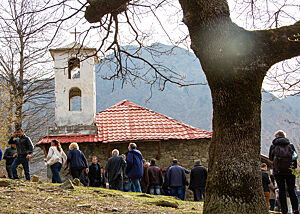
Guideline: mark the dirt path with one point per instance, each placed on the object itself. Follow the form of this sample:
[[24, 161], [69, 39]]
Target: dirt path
[[28, 197]]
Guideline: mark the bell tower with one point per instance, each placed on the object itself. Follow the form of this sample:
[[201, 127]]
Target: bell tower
[[75, 92]]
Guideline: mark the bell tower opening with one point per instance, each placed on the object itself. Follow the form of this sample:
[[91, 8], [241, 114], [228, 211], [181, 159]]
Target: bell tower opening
[[75, 99], [74, 68]]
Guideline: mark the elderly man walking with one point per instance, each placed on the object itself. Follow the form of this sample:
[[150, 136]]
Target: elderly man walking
[[114, 170], [176, 179], [198, 181], [134, 167]]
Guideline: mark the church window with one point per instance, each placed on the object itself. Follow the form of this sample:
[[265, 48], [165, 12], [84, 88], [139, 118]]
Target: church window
[[75, 99], [74, 68]]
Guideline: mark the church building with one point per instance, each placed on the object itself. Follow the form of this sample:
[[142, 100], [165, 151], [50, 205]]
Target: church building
[[156, 135]]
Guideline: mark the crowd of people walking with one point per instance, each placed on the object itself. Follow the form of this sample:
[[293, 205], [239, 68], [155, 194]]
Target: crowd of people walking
[[130, 172]]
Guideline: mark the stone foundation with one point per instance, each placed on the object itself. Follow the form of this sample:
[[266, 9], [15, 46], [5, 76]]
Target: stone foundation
[[186, 151]]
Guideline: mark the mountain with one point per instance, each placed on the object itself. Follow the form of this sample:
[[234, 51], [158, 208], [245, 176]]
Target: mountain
[[191, 105]]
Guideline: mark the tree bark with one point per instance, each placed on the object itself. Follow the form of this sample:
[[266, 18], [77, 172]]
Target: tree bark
[[234, 182]]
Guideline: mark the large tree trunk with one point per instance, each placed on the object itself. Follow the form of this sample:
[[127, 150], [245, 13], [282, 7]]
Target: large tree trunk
[[231, 60], [234, 182]]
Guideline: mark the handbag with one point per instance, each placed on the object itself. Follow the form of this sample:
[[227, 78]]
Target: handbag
[[295, 155], [54, 159]]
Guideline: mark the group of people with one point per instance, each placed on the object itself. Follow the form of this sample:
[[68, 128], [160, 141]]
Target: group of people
[[19, 152], [130, 171], [282, 179]]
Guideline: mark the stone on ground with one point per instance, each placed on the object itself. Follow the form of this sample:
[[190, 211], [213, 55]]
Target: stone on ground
[[67, 185], [35, 178], [165, 203], [77, 182], [145, 195], [4, 183], [84, 205]]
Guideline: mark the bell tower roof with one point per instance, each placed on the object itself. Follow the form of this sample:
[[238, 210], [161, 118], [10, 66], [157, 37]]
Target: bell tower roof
[[74, 47]]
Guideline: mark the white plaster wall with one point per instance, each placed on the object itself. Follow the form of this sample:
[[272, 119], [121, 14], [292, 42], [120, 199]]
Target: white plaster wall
[[86, 83]]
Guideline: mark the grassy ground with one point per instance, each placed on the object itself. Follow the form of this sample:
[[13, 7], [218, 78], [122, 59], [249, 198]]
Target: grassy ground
[[28, 197]]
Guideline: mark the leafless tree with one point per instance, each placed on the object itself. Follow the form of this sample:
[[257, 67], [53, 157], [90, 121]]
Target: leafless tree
[[5, 115], [24, 42]]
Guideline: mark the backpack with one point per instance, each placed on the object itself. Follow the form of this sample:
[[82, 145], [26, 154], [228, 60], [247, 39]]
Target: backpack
[[283, 159]]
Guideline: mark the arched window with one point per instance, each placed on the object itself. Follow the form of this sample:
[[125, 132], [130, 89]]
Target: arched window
[[75, 99], [73, 68]]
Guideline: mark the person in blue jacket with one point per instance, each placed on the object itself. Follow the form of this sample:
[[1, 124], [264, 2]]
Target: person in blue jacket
[[176, 180], [1, 154], [134, 168], [77, 163]]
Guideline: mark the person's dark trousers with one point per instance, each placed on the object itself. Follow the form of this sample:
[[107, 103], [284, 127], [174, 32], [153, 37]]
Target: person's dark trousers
[[166, 191], [116, 184], [55, 169], [126, 186], [289, 180], [76, 172], [178, 192], [272, 204], [25, 163], [9, 171], [199, 194], [183, 192], [144, 189]]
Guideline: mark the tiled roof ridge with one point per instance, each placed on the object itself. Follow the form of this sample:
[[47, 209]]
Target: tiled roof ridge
[[72, 135], [136, 106], [121, 103]]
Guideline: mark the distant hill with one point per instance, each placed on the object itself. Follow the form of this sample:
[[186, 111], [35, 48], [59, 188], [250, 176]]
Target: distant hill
[[192, 105]]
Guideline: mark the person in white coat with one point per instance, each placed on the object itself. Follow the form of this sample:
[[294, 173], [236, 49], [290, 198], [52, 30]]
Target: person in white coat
[[56, 158]]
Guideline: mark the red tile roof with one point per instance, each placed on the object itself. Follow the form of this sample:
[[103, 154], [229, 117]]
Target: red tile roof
[[126, 121], [70, 139]]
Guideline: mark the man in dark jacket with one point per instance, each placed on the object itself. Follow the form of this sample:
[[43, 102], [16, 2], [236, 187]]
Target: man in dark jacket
[[134, 167], [155, 178], [95, 175], [265, 183], [24, 151], [176, 180], [114, 170], [284, 177], [198, 181], [9, 157]]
